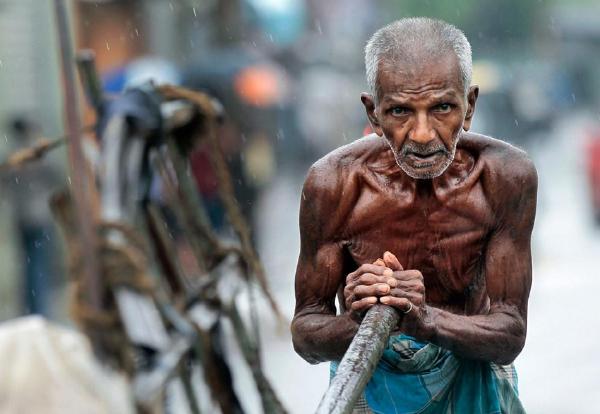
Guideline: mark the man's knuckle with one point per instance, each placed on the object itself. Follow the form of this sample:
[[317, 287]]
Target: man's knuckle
[[365, 268], [362, 291], [366, 278], [399, 302]]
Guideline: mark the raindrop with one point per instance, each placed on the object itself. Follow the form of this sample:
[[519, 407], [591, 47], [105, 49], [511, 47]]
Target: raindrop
[[194, 10], [1, 64], [137, 33], [516, 122], [69, 180], [171, 6], [33, 292], [319, 28], [107, 46], [573, 97], [17, 179]]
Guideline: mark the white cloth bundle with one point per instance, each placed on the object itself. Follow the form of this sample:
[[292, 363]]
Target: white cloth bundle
[[46, 368]]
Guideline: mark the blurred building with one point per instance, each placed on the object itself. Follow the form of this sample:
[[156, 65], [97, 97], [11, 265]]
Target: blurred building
[[29, 81]]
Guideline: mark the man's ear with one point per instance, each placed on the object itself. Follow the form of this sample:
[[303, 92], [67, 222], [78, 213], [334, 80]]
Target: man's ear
[[471, 99], [369, 103]]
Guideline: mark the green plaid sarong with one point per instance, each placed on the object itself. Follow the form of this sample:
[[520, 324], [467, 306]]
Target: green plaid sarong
[[414, 377]]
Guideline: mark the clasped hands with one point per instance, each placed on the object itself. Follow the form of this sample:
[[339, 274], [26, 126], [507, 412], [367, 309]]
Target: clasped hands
[[385, 281]]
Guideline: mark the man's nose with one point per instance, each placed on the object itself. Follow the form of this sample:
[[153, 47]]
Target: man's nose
[[421, 131]]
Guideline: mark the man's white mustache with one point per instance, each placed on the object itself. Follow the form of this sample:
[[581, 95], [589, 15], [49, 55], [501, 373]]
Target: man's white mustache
[[423, 150]]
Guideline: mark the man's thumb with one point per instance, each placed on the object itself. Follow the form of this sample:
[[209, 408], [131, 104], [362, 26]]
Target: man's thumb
[[392, 261]]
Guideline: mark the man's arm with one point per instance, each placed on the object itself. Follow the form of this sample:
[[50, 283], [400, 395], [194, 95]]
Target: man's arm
[[499, 335], [317, 333]]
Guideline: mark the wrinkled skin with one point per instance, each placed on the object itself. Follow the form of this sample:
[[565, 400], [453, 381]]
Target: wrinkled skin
[[423, 216]]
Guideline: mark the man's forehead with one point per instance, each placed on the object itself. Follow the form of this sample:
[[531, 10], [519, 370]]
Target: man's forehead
[[424, 72]]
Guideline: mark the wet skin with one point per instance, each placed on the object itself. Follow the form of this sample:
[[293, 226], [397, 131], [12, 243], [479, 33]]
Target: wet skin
[[386, 219]]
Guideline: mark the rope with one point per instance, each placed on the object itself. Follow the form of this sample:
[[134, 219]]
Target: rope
[[122, 264], [38, 150]]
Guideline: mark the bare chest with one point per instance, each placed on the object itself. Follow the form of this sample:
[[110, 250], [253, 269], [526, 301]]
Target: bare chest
[[444, 238]]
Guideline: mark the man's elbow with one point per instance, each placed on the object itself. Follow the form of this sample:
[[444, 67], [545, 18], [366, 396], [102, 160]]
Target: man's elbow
[[507, 357], [302, 350], [511, 348], [302, 344]]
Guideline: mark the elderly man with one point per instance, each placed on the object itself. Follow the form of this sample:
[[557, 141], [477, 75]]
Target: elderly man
[[425, 217]]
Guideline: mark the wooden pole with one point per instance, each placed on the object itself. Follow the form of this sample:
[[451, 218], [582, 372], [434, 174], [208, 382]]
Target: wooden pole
[[80, 179], [359, 361]]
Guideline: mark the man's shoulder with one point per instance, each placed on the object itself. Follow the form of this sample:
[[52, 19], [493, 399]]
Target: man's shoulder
[[510, 179], [347, 155], [504, 162], [331, 186], [338, 166]]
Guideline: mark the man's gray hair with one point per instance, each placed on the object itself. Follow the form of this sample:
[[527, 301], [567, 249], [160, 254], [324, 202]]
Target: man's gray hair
[[417, 36]]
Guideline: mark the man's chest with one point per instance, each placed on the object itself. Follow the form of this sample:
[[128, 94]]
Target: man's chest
[[444, 239]]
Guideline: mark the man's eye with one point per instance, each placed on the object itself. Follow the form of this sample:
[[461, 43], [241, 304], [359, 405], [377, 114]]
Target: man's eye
[[399, 110], [443, 108]]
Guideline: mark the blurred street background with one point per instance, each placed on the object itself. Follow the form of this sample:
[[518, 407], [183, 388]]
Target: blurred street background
[[289, 73]]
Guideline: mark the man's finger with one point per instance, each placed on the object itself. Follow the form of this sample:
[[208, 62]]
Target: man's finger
[[364, 303], [392, 261], [375, 269], [348, 301], [371, 279], [377, 289], [408, 286], [408, 275], [392, 282], [415, 298], [379, 262], [402, 304]]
